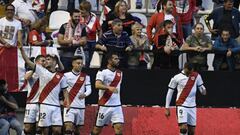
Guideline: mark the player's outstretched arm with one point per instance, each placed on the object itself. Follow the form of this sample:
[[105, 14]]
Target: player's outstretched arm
[[100, 85], [25, 58]]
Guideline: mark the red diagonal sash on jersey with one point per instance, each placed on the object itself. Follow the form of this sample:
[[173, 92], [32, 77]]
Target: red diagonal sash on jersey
[[187, 89], [50, 86], [33, 91], [107, 94], [76, 87]]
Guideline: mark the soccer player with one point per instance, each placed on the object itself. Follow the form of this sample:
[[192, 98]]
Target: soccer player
[[79, 87], [51, 83], [187, 82], [32, 106], [108, 82]]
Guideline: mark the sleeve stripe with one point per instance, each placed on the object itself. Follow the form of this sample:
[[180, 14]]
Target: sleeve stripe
[[65, 87], [87, 84], [200, 85], [99, 80], [171, 88]]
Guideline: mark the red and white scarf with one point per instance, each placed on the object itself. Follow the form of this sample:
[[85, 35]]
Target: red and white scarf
[[70, 32]]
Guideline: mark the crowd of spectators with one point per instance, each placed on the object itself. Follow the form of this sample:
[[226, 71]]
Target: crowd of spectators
[[168, 32]]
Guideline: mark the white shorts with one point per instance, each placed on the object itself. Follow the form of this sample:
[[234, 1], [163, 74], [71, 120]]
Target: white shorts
[[31, 113], [109, 114], [186, 115], [74, 115], [50, 116]]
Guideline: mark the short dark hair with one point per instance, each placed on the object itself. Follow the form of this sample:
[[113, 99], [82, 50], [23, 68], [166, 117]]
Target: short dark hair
[[225, 1], [164, 3], [189, 66], [11, 5], [2, 82], [74, 11], [116, 21], [167, 22], [39, 57], [77, 58], [54, 57], [110, 54], [225, 29]]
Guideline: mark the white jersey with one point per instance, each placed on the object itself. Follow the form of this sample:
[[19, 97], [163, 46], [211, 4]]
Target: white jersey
[[50, 85], [33, 89], [109, 78], [78, 84], [187, 88]]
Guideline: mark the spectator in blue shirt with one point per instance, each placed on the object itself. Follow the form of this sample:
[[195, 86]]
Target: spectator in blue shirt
[[225, 49], [115, 40]]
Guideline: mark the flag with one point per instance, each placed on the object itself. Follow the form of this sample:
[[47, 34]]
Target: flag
[[12, 65]]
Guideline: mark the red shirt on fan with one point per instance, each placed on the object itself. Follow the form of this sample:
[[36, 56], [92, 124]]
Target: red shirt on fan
[[92, 26], [34, 36]]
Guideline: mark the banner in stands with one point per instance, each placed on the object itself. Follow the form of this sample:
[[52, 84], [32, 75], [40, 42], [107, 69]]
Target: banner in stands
[[12, 67]]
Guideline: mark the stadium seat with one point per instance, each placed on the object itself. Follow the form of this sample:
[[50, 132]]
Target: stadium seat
[[57, 18], [143, 18]]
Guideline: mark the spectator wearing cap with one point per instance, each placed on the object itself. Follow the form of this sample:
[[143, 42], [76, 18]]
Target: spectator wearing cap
[[116, 40]]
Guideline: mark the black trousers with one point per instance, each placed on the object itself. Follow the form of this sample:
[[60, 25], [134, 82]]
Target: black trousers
[[71, 5], [54, 5]]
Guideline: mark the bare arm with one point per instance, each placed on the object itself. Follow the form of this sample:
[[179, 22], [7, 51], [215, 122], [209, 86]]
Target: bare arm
[[19, 34], [60, 65], [26, 59], [63, 42]]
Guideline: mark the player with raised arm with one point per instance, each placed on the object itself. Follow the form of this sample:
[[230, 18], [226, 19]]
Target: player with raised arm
[[51, 83], [187, 82], [32, 106]]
